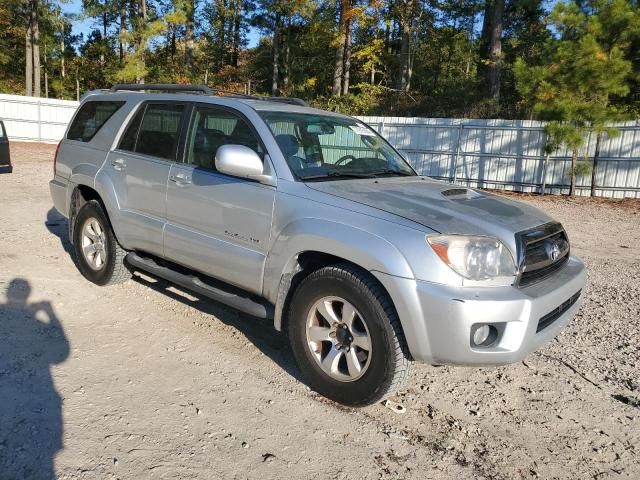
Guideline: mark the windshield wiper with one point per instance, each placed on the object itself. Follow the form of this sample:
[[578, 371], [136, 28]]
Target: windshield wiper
[[389, 171], [333, 174]]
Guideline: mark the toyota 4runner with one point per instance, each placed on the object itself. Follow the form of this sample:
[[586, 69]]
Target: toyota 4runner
[[313, 220]]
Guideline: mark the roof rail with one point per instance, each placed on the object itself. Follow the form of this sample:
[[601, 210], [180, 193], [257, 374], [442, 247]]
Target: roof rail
[[201, 89], [289, 100], [162, 87]]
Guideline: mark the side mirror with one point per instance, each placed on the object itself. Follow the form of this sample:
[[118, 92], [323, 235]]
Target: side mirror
[[240, 161]]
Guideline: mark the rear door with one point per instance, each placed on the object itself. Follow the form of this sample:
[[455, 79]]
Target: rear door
[[139, 169], [5, 158], [217, 224]]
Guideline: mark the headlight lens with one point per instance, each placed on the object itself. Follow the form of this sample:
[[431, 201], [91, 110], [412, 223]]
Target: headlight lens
[[475, 258]]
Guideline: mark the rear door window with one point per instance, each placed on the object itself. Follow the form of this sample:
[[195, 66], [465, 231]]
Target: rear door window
[[154, 131], [90, 119]]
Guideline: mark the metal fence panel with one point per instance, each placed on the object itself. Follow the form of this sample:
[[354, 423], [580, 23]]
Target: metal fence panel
[[509, 154]]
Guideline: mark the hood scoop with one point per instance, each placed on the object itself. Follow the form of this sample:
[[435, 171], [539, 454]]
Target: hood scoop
[[455, 192]]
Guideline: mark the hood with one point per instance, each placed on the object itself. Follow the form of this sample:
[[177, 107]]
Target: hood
[[440, 206]]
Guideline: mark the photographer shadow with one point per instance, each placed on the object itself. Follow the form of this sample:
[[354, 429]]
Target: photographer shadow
[[31, 425]]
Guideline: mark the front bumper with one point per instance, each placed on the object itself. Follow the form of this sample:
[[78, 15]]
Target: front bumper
[[6, 169], [438, 319]]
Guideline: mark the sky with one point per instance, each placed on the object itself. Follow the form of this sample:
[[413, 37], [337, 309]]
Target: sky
[[85, 26]]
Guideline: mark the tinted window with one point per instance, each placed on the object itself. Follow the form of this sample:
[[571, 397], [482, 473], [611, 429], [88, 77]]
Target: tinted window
[[128, 141], [90, 118], [159, 131], [3, 132], [214, 127]]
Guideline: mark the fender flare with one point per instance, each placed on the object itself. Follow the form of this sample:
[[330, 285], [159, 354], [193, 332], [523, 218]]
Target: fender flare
[[372, 253]]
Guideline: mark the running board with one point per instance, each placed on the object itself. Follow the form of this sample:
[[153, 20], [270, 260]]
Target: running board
[[227, 294]]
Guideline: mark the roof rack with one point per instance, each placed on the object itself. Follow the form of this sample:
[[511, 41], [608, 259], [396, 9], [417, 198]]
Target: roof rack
[[163, 87], [289, 100], [203, 90]]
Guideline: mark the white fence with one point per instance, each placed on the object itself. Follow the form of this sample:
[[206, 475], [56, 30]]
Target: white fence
[[503, 154], [32, 119], [508, 154]]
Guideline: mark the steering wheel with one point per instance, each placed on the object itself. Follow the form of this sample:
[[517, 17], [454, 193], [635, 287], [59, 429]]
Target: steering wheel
[[344, 158]]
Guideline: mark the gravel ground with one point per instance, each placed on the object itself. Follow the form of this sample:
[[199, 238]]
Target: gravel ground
[[143, 380]]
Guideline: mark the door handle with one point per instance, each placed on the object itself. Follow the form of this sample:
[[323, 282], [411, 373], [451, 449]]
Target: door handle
[[180, 179], [119, 164]]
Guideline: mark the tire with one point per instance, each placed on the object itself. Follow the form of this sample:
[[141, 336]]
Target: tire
[[107, 268], [338, 365]]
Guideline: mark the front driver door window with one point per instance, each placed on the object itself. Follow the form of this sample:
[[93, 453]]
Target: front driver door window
[[216, 223]]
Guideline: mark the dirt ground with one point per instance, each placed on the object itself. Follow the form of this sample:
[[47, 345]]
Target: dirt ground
[[143, 380]]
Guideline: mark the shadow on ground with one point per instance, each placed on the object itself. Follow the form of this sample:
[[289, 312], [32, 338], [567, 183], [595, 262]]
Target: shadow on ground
[[30, 407], [259, 332], [59, 226]]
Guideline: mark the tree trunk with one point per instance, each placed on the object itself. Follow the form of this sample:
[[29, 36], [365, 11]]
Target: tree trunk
[[596, 156], [28, 56], [36, 49], [188, 36], [403, 78], [46, 74], [236, 33], [495, 50], [572, 185], [140, 47], [123, 27], [485, 39], [347, 58], [338, 69], [275, 57], [220, 33], [104, 38], [62, 47], [286, 60]]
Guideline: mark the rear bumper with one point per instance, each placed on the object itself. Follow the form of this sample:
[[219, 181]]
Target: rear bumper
[[58, 189], [438, 319], [6, 169]]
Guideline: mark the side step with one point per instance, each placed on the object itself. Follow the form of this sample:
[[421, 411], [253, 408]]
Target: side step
[[227, 294]]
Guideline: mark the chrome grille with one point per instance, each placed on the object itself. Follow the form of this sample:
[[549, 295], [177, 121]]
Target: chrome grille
[[541, 252]]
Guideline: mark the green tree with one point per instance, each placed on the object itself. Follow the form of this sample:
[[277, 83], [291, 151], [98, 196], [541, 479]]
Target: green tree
[[585, 68]]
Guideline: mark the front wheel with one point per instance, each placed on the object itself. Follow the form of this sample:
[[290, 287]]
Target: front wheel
[[346, 336], [99, 257]]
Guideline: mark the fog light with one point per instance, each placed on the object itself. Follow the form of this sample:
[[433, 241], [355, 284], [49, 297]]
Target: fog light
[[481, 334]]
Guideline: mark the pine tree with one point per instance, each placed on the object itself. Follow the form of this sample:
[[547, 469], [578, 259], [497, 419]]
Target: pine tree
[[584, 69]]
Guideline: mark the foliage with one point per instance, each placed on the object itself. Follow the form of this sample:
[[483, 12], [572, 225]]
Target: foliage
[[577, 66]]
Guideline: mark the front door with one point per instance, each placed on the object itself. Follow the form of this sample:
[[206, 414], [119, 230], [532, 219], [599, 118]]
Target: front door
[[217, 224], [139, 169]]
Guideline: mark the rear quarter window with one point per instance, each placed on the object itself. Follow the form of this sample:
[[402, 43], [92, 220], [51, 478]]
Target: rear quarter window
[[3, 132], [90, 119]]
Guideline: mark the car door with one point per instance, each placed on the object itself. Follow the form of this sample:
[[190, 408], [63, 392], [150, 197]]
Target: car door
[[5, 158], [217, 224], [139, 169]]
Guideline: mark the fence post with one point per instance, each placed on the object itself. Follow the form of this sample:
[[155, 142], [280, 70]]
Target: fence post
[[455, 158], [39, 121], [545, 161]]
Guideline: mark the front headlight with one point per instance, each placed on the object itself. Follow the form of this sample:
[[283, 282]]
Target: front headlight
[[477, 259]]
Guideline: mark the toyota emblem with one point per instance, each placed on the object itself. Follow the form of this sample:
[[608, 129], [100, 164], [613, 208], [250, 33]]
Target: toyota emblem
[[552, 250]]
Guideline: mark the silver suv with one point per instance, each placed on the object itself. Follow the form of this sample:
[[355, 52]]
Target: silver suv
[[313, 220]]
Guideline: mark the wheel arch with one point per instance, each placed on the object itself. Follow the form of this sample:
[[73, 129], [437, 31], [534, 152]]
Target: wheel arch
[[316, 244]]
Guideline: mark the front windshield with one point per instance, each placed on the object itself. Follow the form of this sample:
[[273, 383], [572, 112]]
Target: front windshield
[[321, 147]]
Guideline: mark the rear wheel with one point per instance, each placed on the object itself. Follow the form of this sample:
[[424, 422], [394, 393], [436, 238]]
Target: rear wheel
[[346, 336], [99, 257]]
